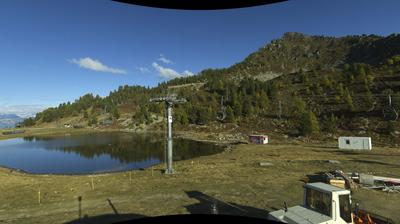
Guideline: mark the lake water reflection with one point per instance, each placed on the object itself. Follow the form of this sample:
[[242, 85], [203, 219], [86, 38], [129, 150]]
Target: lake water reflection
[[95, 152]]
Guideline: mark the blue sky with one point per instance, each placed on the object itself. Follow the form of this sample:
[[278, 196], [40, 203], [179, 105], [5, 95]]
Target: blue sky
[[56, 51]]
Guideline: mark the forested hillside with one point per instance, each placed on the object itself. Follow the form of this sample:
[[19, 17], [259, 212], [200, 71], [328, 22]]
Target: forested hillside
[[296, 85]]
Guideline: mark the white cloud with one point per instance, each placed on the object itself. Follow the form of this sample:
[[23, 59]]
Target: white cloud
[[22, 110], [187, 73], [166, 72], [164, 59], [170, 73], [144, 70], [96, 65]]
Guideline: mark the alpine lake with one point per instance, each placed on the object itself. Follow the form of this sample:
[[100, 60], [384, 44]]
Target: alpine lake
[[95, 152]]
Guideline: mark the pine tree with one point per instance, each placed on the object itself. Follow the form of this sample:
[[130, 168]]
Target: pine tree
[[350, 78], [309, 123], [349, 100], [263, 101], [184, 120], [299, 106], [340, 89], [142, 115], [237, 109], [28, 122], [369, 97], [193, 114], [92, 121], [201, 116], [247, 108], [308, 90], [85, 114], [338, 99], [210, 114], [326, 81], [396, 59], [115, 113], [233, 98], [361, 71], [230, 116], [304, 78], [331, 123]]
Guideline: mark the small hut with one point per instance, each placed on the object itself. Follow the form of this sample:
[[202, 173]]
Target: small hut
[[258, 139], [360, 143]]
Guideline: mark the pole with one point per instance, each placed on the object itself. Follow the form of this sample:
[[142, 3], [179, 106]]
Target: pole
[[166, 137], [80, 206], [39, 196], [91, 177], [169, 152]]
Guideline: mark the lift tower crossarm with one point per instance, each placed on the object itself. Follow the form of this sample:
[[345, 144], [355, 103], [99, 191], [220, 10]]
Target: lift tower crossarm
[[167, 99]]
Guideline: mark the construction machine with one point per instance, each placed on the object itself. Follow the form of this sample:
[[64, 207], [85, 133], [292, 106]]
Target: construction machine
[[324, 203]]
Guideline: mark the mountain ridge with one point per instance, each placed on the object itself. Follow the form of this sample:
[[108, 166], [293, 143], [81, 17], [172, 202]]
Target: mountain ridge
[[339, 80], [9, 120]]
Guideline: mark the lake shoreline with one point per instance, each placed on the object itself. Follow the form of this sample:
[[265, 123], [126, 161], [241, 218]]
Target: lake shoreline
[[63, 131]]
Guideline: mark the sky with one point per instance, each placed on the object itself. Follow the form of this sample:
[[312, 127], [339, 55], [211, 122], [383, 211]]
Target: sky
[[55, 51]]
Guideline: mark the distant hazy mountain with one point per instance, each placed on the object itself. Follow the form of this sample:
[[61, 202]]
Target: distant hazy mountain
[[9, 120]]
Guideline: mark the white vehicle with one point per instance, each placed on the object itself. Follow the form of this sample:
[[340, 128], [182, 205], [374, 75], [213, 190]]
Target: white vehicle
[[323, 203]]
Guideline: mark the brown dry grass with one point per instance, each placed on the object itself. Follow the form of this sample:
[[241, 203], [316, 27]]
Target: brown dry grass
[[233, 176]]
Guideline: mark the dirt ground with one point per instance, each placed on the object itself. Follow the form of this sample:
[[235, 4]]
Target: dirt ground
[[233, 180]]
